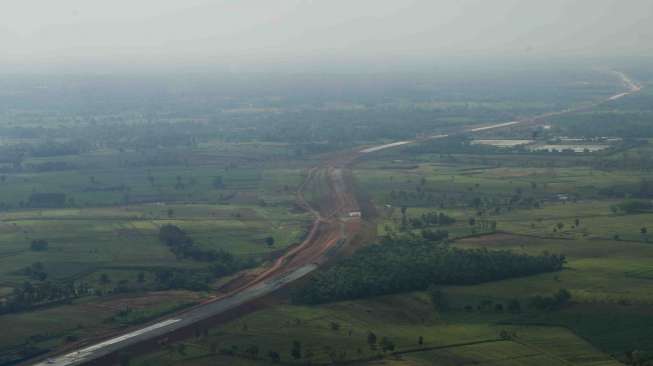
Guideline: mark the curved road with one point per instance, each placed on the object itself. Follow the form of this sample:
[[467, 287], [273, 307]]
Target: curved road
[[332, 227]]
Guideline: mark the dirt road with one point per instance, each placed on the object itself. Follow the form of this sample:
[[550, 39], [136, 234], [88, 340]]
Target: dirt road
[[335, 223], [331, 228]]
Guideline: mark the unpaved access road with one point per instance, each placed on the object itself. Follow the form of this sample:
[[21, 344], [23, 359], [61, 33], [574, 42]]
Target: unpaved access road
[[332, 228]]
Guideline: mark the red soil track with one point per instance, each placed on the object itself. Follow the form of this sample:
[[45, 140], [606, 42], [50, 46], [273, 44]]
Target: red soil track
[[329, 227], [332, 225]]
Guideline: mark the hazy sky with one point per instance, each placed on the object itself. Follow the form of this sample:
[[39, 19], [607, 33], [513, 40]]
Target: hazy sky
[[233, 33]]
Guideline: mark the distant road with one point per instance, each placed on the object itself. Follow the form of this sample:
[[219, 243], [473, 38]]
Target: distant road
[[329, 230], [632, 87], [386, 146]]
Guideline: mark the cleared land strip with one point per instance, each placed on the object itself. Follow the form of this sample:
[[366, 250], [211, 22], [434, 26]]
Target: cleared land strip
[[180, 321], [285, 270]]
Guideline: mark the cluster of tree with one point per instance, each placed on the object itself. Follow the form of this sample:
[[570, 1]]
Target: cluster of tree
[[35, 271], [176, 239], [520, 199], [483, 225], [39, 245], [385, 344], [419, 197], [47, 200], [340, 127], [116, 188], [50, 148], [130, 316], [635, 124], [302, 114], [42, 291], [381, 269], [188, 279], [151, 136], [425, 220], [299, 352], [485, 306], [50, 166], [644, 189], [183, 246], [438, 299], [435, 235], [218, 182], [555, 301], [222, 263], [432, 219], [422, 197], [23, 353], [632, 206], [29, 295]]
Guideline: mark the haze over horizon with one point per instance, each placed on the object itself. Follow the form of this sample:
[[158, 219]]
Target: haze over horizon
[[315, 182], [255, 35]]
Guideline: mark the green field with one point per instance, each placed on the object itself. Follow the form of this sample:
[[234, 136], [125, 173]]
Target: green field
[[98, 176], [117, 200], [82, 240], [610, 310], [609, 255], [108, 179], [554, 204], [105, 235], [86, 318], [426, 187], [339, 332]]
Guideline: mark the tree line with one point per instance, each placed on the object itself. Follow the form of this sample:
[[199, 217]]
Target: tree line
[[29, 295], [222, 263], [183, 247], [383, 269]]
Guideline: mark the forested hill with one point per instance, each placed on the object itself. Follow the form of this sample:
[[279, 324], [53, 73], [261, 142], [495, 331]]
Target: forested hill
[[411, 264]]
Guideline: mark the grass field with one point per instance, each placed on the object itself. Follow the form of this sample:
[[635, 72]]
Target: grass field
[[82, 240], [170, 157], [608, 274], [609, 255], [82, 319], [339, 332], [127, 185], [557, 194], [225, 195], [121, 242], [534, 345], [228, 196], [608, 280], [610, 310]]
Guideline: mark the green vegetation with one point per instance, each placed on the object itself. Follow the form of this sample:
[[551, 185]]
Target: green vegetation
[[594, 208], [35, 332], [102, 241], [110, 205], [400, 327], [633, 206], [382, 269]]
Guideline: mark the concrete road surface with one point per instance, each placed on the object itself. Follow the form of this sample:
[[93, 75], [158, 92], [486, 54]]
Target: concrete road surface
[[276, 280], [186, 319]]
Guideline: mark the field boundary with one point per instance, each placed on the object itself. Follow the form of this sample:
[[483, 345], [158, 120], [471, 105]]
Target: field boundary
[[453, 345]]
